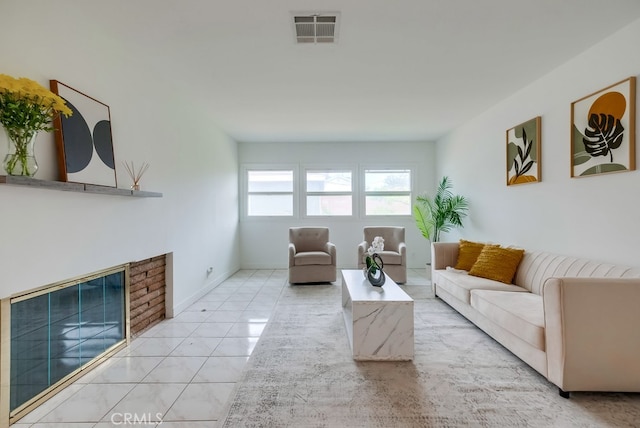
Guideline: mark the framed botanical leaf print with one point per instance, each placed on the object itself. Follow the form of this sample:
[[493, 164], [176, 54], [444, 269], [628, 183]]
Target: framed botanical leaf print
[[523, 153], [603, 130]]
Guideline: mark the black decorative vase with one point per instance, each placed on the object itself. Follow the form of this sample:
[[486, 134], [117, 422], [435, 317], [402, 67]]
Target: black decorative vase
[[374, 273]]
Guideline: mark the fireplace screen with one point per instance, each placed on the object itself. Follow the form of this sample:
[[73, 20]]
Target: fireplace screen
[[58, 331]]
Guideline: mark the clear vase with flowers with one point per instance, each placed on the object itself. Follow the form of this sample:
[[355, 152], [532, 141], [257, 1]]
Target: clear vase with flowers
[[26, 107]]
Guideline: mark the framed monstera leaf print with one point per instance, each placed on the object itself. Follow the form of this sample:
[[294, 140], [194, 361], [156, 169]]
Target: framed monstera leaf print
[[603, 130], [523, 153]]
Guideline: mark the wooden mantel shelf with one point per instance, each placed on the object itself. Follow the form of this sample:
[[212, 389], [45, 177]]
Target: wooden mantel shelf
[[75, 187]]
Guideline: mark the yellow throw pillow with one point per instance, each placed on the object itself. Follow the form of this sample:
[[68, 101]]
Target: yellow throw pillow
[[467, 254], [497, 263]]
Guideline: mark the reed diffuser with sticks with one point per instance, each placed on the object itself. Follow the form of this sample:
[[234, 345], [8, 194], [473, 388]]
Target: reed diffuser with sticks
[[136, 174]]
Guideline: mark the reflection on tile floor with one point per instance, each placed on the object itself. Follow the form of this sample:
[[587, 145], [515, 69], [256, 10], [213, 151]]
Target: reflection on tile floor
[[181, 372]]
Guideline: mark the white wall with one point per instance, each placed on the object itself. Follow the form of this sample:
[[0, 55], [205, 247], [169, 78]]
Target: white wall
[[264, 242], [48, 236], [596, 216]]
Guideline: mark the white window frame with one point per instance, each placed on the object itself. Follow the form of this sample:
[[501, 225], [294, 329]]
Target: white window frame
[[299, 193], [324, 168], [245, 168], [412, 168]]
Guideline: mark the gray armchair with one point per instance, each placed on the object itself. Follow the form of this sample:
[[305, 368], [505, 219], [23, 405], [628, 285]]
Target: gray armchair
[[394, 255], [312, 258]]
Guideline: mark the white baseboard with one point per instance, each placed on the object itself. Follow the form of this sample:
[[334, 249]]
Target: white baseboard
[[212, 284]]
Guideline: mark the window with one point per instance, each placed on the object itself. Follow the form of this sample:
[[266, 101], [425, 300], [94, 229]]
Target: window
[[329, 193], [387, 191], [290, 190], [269, 192]]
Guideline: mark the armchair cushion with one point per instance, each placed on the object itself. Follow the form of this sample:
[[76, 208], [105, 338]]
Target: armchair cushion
[[393, 236], [312, 258], [390, 257], [309, 238]]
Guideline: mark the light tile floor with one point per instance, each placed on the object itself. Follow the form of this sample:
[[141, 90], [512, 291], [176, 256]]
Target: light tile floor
[[180, 372]]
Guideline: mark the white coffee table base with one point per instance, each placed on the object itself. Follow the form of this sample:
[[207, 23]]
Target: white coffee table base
[[379, 320]]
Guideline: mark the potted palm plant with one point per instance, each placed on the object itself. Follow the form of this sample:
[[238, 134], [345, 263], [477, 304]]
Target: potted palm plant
[[441, 213]]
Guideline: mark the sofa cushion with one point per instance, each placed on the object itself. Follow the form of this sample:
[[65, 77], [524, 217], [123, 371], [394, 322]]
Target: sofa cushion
[[468, 253], [497, 263], [312, 258], [519, 313], [460, 284]]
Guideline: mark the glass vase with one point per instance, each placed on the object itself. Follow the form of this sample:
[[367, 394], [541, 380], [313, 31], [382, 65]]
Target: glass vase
[[20, 159]]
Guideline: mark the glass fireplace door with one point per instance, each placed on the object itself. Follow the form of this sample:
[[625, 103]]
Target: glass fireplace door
[[57, 331]]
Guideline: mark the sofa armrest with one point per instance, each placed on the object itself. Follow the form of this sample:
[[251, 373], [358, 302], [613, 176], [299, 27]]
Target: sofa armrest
[[362, 249], [444, 254], [292, 253], [591, 333], [402, 249], [330, 248]]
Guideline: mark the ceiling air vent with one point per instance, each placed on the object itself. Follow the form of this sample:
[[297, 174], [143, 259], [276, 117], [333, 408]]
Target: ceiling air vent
[[315, 27]]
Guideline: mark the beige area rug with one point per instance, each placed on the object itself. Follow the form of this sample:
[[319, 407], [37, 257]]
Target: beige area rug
[[301, 374]]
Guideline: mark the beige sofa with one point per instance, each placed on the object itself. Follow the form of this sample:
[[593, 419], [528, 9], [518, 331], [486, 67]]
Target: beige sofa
[[575, 321]]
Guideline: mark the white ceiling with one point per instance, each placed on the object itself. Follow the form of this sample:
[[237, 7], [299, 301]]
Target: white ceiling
[[402, 70]]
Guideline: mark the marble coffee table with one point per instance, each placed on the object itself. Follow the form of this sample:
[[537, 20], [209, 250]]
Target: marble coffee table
[[379, 320]]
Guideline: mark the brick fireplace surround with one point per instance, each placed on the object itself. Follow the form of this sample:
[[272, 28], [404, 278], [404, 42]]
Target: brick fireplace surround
[[147, 287], [147, 292]]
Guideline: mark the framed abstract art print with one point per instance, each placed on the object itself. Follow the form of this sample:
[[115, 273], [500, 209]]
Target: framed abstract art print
[[84, 142]]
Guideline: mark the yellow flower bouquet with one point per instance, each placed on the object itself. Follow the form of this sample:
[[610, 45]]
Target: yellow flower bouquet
[[26, 107]]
